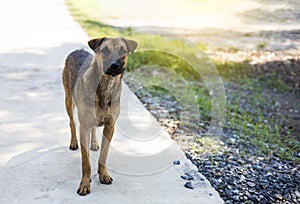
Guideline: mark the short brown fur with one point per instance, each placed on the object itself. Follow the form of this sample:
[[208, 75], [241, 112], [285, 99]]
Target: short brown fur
[[95, 90]]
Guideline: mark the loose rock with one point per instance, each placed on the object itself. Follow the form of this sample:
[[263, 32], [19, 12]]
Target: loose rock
[[188, 185], [176, 162]]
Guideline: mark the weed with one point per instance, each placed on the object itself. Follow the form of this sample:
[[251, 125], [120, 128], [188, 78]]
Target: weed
[[274, 83], [261, 46]]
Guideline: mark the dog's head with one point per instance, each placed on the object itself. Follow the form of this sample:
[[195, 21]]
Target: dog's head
[[112, 53]]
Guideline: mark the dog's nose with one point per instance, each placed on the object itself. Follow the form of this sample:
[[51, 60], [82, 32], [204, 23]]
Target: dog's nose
[[115, 65]]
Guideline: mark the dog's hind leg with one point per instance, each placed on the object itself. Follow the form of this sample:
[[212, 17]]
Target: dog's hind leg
[[94, 141], [70, 110]]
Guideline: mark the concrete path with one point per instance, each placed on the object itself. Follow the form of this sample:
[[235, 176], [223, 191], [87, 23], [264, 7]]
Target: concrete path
[[36, 165]]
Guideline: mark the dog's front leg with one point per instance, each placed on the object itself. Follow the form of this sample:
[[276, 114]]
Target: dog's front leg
[[94, 141], [84, 187], [106, 138]]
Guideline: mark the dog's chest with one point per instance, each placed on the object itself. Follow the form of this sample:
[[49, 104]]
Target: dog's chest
[[103, 102]]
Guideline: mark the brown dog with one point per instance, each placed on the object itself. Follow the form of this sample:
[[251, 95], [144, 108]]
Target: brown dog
[[93, 84]]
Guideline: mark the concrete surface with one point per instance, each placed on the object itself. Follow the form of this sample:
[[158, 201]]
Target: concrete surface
[[36, 165]]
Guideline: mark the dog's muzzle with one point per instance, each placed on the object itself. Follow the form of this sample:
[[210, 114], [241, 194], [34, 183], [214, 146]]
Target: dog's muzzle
[[115, 69]]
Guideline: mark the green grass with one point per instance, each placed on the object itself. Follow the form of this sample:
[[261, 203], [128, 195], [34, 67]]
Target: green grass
[[261, 46], [264, 133], [182, 58], [242, 73], [274, 83]]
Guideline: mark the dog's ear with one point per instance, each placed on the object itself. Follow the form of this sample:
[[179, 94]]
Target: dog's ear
[[131, 45], [95, 43]]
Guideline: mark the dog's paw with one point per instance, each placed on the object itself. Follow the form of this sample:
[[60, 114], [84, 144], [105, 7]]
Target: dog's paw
[[84, 188], [105, 179], [73, 146], [95, 147]]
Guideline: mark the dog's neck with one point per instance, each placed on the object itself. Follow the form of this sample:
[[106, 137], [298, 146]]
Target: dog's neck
[[92, 76], [97, 69], [105, 85], [100, 83]]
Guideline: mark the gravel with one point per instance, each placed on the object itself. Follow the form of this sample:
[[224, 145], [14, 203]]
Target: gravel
[[187, 176], [255, 180]]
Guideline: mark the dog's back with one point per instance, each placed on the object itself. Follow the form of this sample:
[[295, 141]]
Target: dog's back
[[76, 63]]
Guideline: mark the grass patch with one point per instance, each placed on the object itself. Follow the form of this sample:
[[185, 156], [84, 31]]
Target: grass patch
[[234, 71], [261, 46], [242, 73], [264, 133], [85, 13], [274, 83]]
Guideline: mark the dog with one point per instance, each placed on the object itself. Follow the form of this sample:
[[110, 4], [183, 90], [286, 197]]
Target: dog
[[93, 85]]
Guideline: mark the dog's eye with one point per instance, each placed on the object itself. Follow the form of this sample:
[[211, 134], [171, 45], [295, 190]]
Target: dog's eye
[[122, 51], [104, 50]]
